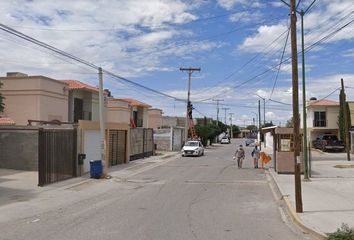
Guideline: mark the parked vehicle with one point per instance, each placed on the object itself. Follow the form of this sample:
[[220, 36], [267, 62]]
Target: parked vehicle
[[193, 148], [225, 140], [250, 142], [328, 142]]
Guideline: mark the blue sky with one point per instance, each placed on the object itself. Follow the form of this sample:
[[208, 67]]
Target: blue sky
[[232, 41]]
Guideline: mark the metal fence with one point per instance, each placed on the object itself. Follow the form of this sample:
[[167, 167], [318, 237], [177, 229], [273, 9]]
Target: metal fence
[[117, 147], [56, 155], [141, 143]]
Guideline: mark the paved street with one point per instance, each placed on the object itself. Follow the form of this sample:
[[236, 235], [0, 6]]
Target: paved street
[[185, 198]]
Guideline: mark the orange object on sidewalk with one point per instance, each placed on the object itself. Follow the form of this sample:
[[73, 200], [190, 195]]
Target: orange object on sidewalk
[[265, 158]]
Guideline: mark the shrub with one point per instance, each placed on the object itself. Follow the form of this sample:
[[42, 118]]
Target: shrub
[[342, 233]]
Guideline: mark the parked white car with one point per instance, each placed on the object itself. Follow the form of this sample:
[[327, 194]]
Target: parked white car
[[193, 148], [225, 140]]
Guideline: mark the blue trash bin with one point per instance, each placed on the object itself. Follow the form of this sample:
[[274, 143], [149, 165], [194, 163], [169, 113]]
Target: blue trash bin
[[96, 168]]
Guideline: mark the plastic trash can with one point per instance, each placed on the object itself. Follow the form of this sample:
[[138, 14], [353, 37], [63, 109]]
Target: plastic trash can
[[96, 168]]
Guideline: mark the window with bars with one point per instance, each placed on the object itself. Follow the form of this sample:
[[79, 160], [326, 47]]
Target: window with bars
[[319, 119]]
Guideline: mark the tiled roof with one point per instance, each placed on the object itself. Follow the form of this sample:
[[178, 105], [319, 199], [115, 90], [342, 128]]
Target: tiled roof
[[323, 102], [5, 121], [136, 103], [75, 85]]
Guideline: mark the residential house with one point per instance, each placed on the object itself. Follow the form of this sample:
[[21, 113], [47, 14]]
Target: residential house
[[34, 98], [322, 117], [82, 101], [118, 110], [139, 112], [155, 118]]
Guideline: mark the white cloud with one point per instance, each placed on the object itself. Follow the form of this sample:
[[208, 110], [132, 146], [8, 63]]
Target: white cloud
[[229, 4], [130, 37], [265, 35], [245, 16], [349, 53]]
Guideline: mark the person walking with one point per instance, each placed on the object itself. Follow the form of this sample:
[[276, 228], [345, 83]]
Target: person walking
[[255, 155], [239, 155]]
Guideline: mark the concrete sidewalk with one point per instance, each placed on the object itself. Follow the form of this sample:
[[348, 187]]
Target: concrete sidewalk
[[21, 186], [328, 199]]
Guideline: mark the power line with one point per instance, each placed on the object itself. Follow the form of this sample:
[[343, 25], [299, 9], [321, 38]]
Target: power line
[[249, 61], [307, 49], [281, 59], [77, 59]]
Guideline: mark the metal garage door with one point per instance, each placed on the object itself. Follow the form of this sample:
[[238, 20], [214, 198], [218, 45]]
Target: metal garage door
[[117, 147]]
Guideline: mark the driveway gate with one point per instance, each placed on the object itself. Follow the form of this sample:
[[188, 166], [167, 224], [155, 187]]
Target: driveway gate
[[56, 155], [117, 147]]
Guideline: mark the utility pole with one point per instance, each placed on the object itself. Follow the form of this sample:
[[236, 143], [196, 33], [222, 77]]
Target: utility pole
[[102, 122], [295, 86], [264, 110], [225, 109], [190, 70], [232, 132], [346, 123], [259, 124], [304, 114], [217, 110]]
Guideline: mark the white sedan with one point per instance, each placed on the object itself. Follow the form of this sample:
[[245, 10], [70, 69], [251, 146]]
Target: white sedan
[[193, 148]]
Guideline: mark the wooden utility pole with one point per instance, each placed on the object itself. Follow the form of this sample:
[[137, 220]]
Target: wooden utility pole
[[231, 132], [217, 110], [225, 109], [296, 118], [346, 123], [190, 70]]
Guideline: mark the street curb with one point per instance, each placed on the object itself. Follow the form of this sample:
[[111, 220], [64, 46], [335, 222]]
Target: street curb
[[170, 155], [294, 216]]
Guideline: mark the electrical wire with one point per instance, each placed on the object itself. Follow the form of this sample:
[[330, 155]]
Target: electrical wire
[[281, 60], [307, 49], [77, 59]]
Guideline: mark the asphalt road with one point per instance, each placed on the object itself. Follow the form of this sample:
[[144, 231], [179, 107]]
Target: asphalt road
[[186, 198]]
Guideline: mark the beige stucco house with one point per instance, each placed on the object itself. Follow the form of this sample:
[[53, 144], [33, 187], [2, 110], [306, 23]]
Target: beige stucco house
[[322, 118], [34, 98], [82, 101], [139, 112], [118, 110]]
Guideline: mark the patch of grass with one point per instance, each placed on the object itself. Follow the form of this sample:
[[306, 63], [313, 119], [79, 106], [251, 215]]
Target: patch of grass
[[342, 233]]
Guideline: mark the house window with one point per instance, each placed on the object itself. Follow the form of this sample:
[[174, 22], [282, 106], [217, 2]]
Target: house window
[[320, 119], [78, 109]]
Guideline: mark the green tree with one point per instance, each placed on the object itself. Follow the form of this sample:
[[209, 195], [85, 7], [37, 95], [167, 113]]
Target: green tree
[[2, 104], [341, 124], [290, 123], [268, 124], [235, 130], [208, 132], [251, 127]]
